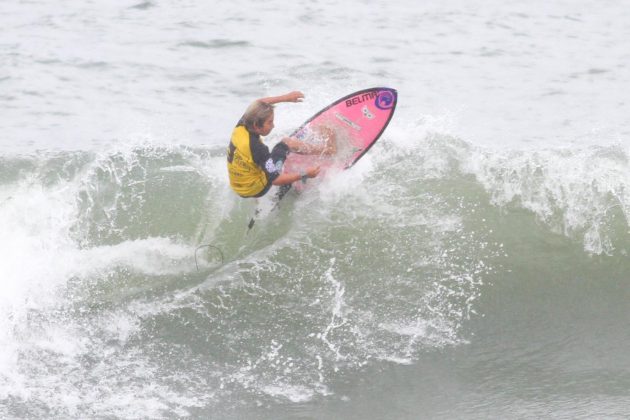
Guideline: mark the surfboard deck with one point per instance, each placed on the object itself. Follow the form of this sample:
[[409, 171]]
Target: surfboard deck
[[355, 121]]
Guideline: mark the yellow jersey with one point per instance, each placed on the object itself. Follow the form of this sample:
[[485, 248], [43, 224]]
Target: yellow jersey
[[247, 158]]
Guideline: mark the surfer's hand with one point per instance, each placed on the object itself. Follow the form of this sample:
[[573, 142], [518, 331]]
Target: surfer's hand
[[295, 96], [312, 172]]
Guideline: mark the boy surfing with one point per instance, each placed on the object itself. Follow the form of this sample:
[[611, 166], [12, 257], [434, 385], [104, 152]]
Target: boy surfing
[[252, 168]]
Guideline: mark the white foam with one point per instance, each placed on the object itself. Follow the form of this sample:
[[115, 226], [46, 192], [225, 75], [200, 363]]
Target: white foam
[[36, 254], [338, 308], [293, 393], [38, 337], [152, 256], [178, 168]]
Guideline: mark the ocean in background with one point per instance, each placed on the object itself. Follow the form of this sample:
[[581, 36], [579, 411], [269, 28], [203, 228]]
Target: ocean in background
[[474, 264]]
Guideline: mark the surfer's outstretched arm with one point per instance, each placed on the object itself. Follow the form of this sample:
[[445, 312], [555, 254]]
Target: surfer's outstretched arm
[[295, 96]]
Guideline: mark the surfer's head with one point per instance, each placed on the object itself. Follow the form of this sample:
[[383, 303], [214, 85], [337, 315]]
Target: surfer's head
[[258, 118]]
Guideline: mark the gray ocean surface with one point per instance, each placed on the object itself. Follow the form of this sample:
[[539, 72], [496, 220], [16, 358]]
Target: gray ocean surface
[[474, 264]]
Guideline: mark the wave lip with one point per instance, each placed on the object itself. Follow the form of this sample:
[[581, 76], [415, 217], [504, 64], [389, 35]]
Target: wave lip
[[579, 193]]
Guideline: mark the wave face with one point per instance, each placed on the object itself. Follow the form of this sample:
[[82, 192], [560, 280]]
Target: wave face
[[104, 311]]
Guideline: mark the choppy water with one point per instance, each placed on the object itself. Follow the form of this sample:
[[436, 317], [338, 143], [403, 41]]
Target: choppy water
[[474, 264]]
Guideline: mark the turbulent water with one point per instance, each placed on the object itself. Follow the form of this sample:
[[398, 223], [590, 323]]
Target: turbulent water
[[474, 264]]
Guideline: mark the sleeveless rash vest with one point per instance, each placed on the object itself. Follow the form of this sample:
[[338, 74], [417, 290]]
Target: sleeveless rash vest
[[247, 156]]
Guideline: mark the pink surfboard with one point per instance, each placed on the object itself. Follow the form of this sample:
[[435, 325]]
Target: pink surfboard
[[355, 121]]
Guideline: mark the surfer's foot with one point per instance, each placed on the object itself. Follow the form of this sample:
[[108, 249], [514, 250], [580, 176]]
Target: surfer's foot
[[330, 148]]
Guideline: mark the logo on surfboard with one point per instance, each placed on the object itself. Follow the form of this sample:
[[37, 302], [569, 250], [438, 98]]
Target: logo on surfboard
[[360, 98], [366, 113], [384, 100], [348, 121]]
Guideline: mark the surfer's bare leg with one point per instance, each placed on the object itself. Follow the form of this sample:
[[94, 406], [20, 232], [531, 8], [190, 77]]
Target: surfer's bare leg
[[329, 147], [330, 140]]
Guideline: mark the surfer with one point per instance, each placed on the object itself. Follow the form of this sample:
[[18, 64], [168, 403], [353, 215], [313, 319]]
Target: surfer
[[251, 167]]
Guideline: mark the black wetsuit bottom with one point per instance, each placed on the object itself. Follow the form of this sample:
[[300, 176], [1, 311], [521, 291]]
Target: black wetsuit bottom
[[279, 153]]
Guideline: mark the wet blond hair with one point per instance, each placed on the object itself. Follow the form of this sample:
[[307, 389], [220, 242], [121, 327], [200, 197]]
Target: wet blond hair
[[256, 114]]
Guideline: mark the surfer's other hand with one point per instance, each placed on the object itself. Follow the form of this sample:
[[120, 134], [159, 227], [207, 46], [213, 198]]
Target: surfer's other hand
[[295, 96], [312, 172]]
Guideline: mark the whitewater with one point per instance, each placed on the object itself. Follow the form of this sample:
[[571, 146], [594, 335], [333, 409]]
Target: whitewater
[[474, 264]]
